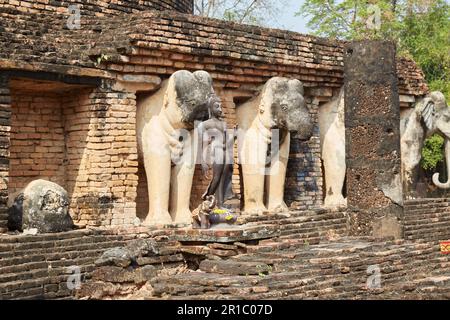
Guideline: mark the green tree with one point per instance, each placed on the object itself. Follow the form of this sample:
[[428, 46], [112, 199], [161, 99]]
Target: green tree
[[425, 36], [421, 29], [432, 152]]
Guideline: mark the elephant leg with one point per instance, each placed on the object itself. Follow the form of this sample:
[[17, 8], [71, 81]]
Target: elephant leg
[[181, 183], [157, 167], [275, 181], [253, 154], [333, 157]]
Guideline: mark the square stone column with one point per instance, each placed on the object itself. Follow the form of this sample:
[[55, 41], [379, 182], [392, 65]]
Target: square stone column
[[372, 122], [5, 127], [102, 156]]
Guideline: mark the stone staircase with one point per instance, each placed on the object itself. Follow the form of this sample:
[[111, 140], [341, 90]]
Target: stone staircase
[[333, 270], [427, 219], [33, 267]]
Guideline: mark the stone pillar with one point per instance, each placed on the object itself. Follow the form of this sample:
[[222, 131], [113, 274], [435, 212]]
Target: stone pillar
[[5, 127], [372, 121], [102, 157]]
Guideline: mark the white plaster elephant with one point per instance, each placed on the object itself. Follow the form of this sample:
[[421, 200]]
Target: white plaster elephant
[[280, 105], [332, 146], [431, 115], [165, 123]]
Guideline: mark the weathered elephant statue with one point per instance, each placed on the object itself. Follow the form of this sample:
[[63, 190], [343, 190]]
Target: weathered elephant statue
[[165, 123], [280, 105], [430, 116], [332, 146]]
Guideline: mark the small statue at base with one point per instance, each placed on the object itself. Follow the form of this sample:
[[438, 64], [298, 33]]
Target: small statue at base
[[200, 216]]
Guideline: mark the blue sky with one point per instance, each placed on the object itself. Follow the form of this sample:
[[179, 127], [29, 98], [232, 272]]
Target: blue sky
[[289, 21]]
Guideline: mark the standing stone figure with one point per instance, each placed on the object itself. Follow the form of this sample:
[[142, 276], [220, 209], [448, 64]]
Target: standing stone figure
[[217, 153]]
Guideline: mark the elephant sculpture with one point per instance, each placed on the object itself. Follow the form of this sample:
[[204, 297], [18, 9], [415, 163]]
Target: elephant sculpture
[[332, 145], [430, 116], [280, 105], [165, 123]]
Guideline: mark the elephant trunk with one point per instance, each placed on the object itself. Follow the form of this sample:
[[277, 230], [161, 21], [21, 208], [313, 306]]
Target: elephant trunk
[[306, 130], [436, 180]]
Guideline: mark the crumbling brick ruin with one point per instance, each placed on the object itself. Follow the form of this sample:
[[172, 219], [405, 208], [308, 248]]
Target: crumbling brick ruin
[[68, 102]]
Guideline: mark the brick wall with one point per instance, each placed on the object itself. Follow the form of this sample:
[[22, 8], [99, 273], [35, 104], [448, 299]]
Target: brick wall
[[304, 179], [101, 156], [5, 116], [37, 140], [98, 7]]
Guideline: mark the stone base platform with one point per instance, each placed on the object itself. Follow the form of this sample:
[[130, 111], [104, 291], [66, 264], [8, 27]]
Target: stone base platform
[[311, 226], [346, 268], [38, 267]]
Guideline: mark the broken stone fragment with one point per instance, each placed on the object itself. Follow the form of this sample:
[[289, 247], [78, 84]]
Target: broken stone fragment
[[121, 275], [235, 267], [43, 206], [115, 257]]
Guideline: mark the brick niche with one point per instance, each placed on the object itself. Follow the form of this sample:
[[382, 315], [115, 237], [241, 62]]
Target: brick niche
[[85, 141]]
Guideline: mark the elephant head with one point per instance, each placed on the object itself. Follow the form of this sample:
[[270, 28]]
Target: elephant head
[[187, 97], [283, 107], [435, 115]]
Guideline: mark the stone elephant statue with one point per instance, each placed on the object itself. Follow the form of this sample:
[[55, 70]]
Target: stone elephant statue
[[165, 123], [332, 146], [431, 115], [280, 105]]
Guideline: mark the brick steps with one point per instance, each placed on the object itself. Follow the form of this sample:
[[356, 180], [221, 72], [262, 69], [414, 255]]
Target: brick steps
[[59, 250], [69, 258], [334, 270], [50, 247], [34, 267], [427, 219]]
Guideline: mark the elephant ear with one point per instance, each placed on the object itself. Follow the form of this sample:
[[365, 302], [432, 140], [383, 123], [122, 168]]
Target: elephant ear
[[193, 91], [428, 113]]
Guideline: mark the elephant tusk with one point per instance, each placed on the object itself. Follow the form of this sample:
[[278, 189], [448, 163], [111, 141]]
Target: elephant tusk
[[439, 184], [436, 181]]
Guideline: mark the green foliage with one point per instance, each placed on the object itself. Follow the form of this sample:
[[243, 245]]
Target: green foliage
[[102, 58], [432, 152], [426, 36], [421, 29], [347, 19]]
